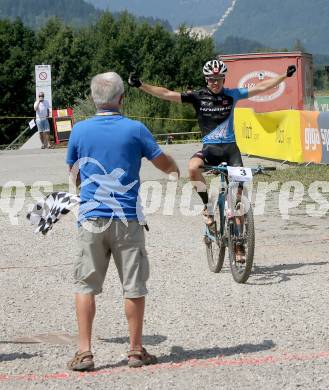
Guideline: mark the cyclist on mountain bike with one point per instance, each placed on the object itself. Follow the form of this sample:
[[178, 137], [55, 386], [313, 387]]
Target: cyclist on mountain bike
[[214, 106]]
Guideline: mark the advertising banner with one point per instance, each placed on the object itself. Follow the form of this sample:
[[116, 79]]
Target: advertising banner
[[273, 135], [291, 135], [63, 123], [249, 69], [315, 136]]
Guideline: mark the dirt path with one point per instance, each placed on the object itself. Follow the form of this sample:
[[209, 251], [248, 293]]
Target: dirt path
[[208, 331]]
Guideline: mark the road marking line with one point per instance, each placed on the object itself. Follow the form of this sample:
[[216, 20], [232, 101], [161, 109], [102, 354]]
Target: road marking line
[[192, 363]]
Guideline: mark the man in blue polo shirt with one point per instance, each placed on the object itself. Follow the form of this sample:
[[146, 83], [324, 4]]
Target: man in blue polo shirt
[[104, 155]]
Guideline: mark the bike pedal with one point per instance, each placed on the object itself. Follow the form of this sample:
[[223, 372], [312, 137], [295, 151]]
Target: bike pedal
[[239, 241]]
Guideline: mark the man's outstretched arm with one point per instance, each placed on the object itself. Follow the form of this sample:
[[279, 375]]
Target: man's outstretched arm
[[268, 84], [159, 92], [166, 164]]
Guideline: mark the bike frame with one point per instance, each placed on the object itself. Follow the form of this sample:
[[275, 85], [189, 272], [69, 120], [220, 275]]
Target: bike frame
[[236, 230], [223, 195], [221, 202]]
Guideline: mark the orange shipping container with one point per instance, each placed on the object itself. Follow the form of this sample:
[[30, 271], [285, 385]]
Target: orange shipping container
[[247, 70]]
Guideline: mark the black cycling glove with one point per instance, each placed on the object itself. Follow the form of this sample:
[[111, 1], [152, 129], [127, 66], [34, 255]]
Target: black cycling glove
[[291, 70], [134, 80]]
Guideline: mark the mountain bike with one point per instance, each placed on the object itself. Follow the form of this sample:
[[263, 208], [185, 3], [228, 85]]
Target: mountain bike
[[233, 226]]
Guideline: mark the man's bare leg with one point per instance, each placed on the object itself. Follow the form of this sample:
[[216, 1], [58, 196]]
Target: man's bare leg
[[85, 309], [41, 135], [46, 139], [134, 309], [199, 183], [138, 356]]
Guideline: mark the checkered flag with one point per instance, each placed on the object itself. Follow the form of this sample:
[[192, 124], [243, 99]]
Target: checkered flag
[[50, 209]]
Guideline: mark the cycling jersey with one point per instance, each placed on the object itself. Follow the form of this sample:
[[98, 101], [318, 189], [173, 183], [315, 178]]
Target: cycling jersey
[[215, 112]]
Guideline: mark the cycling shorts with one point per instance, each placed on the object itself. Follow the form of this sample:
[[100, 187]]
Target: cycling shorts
[[215, 154]]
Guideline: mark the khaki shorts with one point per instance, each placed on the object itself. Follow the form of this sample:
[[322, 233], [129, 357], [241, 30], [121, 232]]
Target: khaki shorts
[[125, 243]]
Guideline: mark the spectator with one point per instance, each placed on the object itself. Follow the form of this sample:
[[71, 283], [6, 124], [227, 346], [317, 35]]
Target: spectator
[[170, 139], [41, 107], [108, 149]]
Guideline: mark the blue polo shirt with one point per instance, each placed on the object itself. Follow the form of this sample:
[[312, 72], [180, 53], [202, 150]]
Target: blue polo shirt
[[108, 150]]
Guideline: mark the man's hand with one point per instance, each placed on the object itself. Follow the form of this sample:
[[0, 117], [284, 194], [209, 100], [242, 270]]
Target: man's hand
[[134, 80], [291, 70]]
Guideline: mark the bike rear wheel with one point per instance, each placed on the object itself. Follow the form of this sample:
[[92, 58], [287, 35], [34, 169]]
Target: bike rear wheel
[[241, 271], [215, 247]]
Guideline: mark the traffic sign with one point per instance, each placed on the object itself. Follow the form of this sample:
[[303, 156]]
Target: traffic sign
[[43, 82]]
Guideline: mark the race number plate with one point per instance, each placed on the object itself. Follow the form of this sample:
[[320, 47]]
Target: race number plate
[[239, 174]]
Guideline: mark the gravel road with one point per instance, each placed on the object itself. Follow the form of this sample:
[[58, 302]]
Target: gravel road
[[207, 331], [30, 166]]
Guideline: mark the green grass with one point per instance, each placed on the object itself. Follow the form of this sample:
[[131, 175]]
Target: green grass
[[321, 93], [304, 174]]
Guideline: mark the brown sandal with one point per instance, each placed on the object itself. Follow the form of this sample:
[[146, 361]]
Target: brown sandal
[[81, 362], [140, 358]]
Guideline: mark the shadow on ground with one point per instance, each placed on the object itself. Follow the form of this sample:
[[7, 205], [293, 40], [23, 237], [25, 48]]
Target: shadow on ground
[[8, 357], [275, 274], [147, 340], [178, 354]]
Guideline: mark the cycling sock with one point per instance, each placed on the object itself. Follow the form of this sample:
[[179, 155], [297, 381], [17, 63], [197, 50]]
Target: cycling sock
[[204, 196]]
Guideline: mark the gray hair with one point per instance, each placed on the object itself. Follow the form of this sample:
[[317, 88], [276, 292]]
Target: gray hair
[[106, 88]]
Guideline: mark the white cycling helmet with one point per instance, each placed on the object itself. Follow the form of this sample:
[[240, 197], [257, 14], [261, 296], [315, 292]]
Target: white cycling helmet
[[214, 68]]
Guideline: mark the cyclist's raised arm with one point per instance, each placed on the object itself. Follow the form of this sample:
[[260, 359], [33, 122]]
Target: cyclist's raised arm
[[159, 92], [162, 93], [268, 84]]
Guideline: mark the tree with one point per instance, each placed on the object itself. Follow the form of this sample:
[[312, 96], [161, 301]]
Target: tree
[[120, 44], [16, 76], [68, 51], [321, 79], [189, 55]]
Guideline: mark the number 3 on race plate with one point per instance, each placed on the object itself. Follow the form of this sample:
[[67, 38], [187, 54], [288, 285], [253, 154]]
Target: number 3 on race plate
[[239, 174]]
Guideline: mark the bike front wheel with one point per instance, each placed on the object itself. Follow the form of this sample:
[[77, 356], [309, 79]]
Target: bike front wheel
[[215, 247], [243, 235]]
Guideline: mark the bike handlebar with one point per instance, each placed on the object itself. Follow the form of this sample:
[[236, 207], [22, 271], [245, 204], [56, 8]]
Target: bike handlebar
[[223, 169], [269, 168]]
